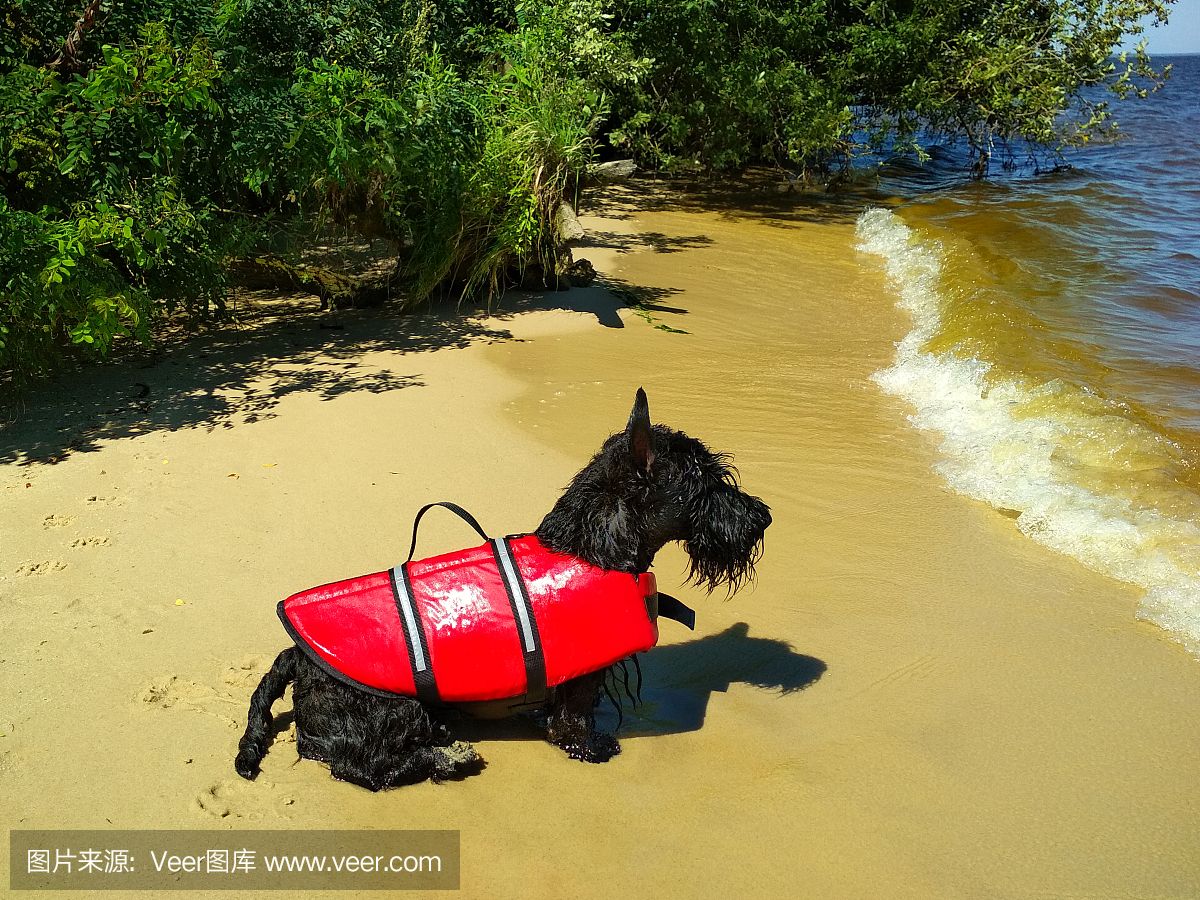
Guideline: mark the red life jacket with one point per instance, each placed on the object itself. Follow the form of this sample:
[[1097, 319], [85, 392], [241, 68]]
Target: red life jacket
[[508, 619]]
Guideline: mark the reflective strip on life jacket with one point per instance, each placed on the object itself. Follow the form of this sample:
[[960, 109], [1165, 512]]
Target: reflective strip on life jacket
[[535, 662], [418, 653]]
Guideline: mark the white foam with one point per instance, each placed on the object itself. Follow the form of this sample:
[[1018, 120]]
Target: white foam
[[997, 447]]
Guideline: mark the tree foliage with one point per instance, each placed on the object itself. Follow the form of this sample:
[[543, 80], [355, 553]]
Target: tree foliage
[[812, 84], [145, 145]]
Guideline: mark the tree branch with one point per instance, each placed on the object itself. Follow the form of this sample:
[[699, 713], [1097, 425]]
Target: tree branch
[[68, 57]]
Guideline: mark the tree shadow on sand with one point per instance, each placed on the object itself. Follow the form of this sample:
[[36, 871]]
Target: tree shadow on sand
[[775, 199], [604, 300], [235, 374], [239, 373], [655, 241]]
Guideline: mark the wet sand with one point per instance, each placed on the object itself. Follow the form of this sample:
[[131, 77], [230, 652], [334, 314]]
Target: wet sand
[[914, 700]]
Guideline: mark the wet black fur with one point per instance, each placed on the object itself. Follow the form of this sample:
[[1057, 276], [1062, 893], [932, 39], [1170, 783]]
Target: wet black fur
[[647, 486]]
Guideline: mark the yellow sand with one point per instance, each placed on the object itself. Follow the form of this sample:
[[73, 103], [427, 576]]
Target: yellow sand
[[981, 718]]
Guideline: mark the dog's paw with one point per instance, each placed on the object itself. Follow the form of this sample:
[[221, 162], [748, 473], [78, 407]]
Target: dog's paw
[[457, 760], [598, 748], [247, 762]]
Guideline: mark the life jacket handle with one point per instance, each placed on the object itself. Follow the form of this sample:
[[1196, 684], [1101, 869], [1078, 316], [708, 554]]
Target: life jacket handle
[[454, 508]]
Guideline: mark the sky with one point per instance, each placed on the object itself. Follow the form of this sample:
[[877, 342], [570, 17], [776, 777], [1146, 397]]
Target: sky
[[1181, 34]]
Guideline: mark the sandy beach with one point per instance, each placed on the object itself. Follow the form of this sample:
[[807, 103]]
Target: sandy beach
[[913, 700]]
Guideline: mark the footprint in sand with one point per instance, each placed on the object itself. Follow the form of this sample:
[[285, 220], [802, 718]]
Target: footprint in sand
[[236, 798], [89, 542], [45, 567], [247, 673], [171, 691], [54, 520], [106, 501]]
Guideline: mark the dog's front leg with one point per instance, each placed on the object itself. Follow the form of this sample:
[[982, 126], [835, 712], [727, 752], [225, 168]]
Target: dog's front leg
[[572, 720]]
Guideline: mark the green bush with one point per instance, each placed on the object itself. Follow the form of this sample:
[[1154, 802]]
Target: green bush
[[145, 145], [810, 84], [101, 225]]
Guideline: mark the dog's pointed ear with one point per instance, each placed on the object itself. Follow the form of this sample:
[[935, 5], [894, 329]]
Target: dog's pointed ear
[[639, 434]]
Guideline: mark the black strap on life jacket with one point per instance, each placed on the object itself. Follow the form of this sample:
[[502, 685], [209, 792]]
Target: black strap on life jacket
[[518, 599], [676, 610], [414, 634], [454, 508]]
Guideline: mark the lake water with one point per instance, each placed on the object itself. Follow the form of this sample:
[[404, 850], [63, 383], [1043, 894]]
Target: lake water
[[1055, 349]]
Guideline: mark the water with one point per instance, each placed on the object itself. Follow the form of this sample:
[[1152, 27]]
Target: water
[[1055, 349]]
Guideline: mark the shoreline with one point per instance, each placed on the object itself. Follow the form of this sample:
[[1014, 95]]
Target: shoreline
[[913, 700]]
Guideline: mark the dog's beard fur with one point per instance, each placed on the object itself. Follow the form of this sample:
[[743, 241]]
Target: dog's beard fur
[[709, 568], [726, 542]]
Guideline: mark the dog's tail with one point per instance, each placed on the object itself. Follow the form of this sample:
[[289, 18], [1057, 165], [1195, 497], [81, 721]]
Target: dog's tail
[[253, 745]]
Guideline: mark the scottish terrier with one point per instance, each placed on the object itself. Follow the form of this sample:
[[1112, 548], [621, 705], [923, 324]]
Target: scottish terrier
[[648, 485]]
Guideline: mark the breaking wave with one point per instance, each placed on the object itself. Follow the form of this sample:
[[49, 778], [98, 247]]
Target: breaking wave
[[1082, 475]]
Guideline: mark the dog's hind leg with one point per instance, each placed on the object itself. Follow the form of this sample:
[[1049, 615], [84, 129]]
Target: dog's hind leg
[[373, 741], [253, 745]]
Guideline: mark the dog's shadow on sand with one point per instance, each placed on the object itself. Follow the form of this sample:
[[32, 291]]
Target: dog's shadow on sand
[[677, 682], [679, 679]]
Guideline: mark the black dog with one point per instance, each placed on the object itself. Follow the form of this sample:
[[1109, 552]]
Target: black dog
[[647, 486]]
